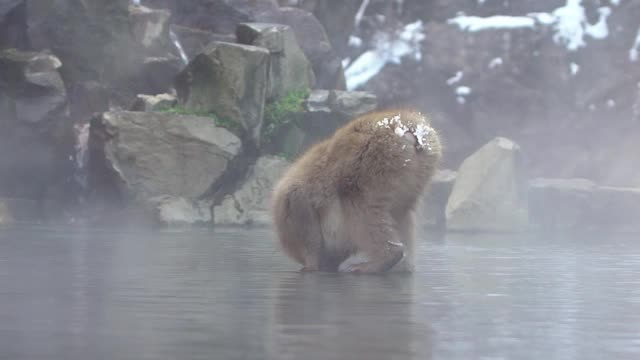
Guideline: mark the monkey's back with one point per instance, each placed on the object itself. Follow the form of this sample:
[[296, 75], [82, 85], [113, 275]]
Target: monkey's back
[[367, 162]]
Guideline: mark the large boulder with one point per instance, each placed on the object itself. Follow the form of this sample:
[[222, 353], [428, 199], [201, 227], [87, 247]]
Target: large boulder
[[33, 90], [321, 113], [141, 155], [194, 41], [434, 201], [230, 81], [615, 209], [216, 16], [13, 24], [87, 98], [312, 37], [249, 205], [150, 27], [91, 37], [560, 204], [289, 69], [490, 192], [35, 135]]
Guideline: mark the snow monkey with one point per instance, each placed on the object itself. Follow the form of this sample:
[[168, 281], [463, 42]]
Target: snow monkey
[[347, 204]]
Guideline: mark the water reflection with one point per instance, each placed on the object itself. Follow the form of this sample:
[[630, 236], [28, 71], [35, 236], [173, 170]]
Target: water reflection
[[68, 293], [325, 316]]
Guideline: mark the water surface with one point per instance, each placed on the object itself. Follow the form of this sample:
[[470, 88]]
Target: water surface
[[70, 293]]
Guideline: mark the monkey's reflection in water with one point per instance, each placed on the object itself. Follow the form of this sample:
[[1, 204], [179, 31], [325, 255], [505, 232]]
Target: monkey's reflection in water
[[329, 316]]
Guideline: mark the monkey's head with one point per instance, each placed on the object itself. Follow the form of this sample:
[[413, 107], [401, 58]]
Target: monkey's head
[[415, 130]]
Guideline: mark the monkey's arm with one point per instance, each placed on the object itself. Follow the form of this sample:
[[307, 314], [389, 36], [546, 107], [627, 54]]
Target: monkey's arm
[[373, 233], [406, 232]]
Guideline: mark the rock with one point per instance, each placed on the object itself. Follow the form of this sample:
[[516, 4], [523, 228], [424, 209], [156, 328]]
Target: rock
[[154, 103], [313, 39], [352, 103], [155, 75], [249, 205], [35, 134], [327, 110], [615, 209], [5, 215], [560, 204], [289, 68], [195, 41], [87, 98], [135, 156], [490, 192], [150, 27], [177, 211], [13, 25], [217, 16], [324, 111], [336, 18], [34, 88], [230, 80], [92, 38], [434, 201]]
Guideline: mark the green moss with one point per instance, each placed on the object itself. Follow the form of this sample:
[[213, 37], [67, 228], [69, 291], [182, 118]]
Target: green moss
[[279, 113], [219, 121]]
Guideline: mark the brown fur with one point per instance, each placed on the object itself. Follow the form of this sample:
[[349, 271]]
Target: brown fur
[[348, 203]]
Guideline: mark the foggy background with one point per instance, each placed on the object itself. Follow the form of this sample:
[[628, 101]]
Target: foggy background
[[560, 78]]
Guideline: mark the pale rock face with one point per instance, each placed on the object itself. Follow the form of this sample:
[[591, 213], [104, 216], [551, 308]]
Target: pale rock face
[[178, 211], [151, 154], [490, 190]]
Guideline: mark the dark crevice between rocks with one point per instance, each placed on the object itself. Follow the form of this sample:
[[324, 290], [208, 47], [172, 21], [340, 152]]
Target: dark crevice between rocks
[[231, 179], [105, 195]]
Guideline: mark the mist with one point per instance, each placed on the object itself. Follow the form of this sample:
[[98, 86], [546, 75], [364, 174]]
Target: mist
[[141, 141]]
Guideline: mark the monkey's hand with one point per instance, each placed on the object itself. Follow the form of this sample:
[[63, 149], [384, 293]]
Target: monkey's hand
[[361, 263]]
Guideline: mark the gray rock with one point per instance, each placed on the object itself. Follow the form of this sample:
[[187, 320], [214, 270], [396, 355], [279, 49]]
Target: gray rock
[[154, 103], [177, 211], [88, 98], [13, 24], [250, 203], [35, 134], [230, 80], [324, 111], [560, 204], [156, 75], [434, 201], [313, 40], [150, 27], [6, 217], [289, 68], [34, 90], [143, 155], [92, 38], [616, 209], [490, 192], [195, 41], [352, 103]]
